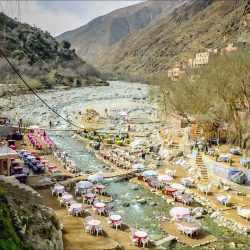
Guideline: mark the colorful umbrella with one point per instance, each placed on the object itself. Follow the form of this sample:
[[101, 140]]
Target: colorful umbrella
[[165, 178], [150, 173], [84, 184], [138, 166]]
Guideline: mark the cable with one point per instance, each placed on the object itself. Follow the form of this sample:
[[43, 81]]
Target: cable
[[15, 70]]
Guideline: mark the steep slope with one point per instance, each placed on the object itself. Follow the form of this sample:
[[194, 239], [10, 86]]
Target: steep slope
[[98, 35], [192, 27], [40, 58]]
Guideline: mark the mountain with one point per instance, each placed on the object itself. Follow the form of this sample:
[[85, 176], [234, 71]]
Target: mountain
[[99, 34], [192, 27], [40, 59]]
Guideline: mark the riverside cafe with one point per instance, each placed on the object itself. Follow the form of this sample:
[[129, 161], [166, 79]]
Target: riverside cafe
[[6, 154]]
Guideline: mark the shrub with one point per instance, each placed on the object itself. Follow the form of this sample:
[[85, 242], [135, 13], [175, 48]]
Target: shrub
[[119, 143]]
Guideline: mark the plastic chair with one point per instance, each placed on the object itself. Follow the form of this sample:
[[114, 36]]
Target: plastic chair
[[88, 228], [133, 240], [53, 191], [144, 242], [98, 229], [118, 224]]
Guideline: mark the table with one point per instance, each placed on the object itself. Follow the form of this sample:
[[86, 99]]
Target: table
[[89, 195], [169, 191], [67, 197], [245, 161], [223, 157], [115, 217], [222, 198], [99, 186], [140, 235], [76, 206], [59, 188], [99, 205], [94, 223], [188, 226]]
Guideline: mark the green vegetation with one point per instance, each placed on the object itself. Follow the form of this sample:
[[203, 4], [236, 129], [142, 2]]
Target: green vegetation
[[40, 59], [216, 94], [9, 239]]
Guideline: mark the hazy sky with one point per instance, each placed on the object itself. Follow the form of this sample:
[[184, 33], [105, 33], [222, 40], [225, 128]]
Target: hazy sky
[[59, 16]]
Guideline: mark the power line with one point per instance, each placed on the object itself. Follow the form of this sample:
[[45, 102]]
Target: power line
[[54, 111]]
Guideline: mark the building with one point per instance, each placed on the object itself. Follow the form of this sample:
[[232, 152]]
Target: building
[[175, 73], [6, 154], [230, 48], [203, 58]]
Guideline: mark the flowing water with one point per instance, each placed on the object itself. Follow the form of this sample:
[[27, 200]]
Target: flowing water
[[124, 196]]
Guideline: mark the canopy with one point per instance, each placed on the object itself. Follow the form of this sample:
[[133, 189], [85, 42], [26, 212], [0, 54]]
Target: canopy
[[122, 113], [165, 178], [95, 178], [84, 184], [177, 186], [179, 212], [138, 166], [34, 127], [150, 173]]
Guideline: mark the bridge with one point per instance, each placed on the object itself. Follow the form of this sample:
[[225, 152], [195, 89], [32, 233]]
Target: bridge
[[74, 179]]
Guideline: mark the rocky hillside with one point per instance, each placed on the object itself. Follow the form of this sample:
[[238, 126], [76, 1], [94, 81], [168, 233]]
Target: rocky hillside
[[98, 35], [27, 224], [188, 29], [41, 60]]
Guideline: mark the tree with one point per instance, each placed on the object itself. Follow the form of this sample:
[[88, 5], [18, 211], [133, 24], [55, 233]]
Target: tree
[[218, 93], [66, 44]]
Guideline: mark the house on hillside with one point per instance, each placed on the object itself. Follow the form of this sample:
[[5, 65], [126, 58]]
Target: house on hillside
[[202, 58], [175, 73], [230, 48]]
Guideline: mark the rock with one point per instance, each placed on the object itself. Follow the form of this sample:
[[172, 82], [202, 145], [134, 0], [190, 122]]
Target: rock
[[134, 201], [209, 210], [232, 245], [142, 201], [198, 215], [198, 210], [126, 204], [169, 201], [135, 187], [214, 215], [152, 203]]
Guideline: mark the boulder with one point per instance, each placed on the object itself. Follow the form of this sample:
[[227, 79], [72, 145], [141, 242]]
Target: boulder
[[142, 201], [152, 203], [198, 210], [126, 204], [135, 187], [198, 215]]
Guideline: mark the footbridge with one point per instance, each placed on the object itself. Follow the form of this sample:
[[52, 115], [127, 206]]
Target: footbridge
[[74, 179]]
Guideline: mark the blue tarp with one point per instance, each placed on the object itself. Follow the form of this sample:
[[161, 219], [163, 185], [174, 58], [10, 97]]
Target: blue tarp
[[232, 172]]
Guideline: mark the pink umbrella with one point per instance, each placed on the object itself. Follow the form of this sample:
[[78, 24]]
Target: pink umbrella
[[165, 178], [179, 212]]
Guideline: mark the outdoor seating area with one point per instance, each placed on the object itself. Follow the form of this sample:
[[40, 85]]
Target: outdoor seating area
[[67, 200], [34, 161], [34, 142], [42, 134], [224, 199], [243, 212]]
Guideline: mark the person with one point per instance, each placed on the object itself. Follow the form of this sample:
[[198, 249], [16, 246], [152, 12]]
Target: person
[[129, 126], [44, 133], [143, 155], [50, 124]]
